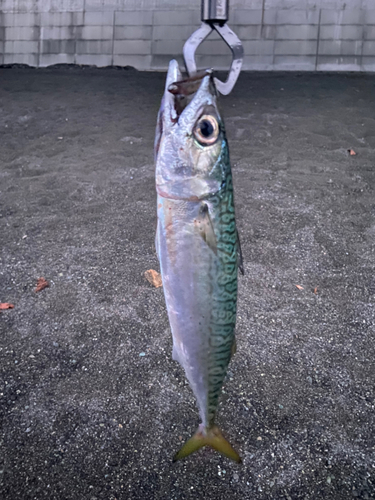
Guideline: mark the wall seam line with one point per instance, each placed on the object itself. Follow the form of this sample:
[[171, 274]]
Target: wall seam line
[[317, 41], [113, 37]]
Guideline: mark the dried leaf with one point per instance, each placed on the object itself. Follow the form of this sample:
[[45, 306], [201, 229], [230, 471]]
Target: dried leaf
[[352, 152], [316, 290], [154, 278], [6, 305], [41, 285], [299, 287]]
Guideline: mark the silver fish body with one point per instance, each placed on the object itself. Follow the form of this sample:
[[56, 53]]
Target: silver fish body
[[197, 246]]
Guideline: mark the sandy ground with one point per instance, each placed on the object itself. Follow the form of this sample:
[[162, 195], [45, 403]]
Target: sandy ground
[[92, 405]]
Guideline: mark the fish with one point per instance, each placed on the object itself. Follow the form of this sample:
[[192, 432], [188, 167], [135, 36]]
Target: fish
[[197, 244]]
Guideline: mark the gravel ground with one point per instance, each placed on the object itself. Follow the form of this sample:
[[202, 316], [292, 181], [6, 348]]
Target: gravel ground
[[92, 405]]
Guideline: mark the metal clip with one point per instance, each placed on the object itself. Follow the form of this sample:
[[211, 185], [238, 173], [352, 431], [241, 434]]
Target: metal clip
[[214, 17]]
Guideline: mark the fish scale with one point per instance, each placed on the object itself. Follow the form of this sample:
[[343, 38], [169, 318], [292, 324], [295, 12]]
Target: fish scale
[[222, 331], [197, 245]]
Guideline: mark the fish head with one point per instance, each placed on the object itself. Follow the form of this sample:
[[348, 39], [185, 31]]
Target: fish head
[[191, 150]]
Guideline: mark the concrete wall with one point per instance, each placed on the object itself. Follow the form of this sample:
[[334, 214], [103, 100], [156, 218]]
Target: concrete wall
[[276, 34]]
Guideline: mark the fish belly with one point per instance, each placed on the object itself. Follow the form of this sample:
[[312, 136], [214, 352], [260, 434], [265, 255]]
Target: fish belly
[[200, 288]]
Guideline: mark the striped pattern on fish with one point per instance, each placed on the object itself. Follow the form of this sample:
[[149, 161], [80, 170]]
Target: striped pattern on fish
[[224, 305], [197, 246]]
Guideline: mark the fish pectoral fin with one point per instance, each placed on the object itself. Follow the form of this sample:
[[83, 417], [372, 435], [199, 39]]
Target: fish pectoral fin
[[239, 256], [204, 225], [211, 437]]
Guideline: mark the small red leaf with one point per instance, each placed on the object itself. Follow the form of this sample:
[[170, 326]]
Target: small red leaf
[[6, 305], [41, 285], [299, 287], [154, 278], [351, 152]]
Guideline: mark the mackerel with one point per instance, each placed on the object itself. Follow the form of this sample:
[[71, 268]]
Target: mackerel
[[197, 244]]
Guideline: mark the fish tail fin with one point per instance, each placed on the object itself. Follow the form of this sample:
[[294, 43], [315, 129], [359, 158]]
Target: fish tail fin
[[211, 437]]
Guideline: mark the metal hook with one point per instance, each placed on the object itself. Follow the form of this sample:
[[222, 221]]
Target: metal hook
[[214, 17]]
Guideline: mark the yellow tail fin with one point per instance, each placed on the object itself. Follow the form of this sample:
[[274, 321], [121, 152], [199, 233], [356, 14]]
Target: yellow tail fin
[[208, 437]]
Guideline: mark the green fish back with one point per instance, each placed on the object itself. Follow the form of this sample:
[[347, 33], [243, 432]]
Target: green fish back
[[223, 314]]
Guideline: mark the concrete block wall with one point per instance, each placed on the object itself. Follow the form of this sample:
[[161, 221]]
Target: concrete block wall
[[276, 34]]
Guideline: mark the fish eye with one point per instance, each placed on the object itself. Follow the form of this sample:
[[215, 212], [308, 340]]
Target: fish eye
[[206, 130]]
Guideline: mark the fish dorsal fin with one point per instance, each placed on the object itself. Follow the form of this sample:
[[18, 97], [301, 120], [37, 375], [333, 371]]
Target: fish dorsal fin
[[239, 255], [233, 348], [204, 225]]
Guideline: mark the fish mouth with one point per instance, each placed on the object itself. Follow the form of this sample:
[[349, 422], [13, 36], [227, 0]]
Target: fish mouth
[[188, 86], [182, 89]]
